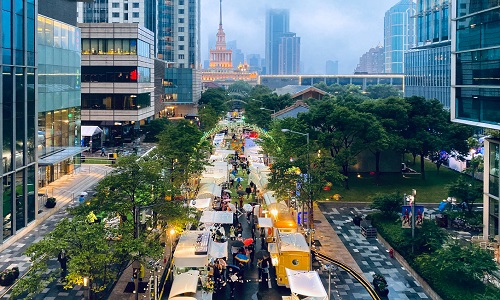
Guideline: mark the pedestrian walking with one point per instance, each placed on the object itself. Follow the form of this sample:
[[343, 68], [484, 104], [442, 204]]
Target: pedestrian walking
[[232, 234], [239, 230], [103, 151], [63, 260], [248, 190]]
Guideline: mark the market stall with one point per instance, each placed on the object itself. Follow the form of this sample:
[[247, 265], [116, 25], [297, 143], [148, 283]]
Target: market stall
[[185, 285], [306, 285], [269, 197], [289, 251], [191, 251], [217, 217], [201, 204], [209, 190], [218, 250]]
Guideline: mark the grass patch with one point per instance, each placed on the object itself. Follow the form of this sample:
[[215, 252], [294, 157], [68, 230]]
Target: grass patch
[[96, 161], [431, 190]]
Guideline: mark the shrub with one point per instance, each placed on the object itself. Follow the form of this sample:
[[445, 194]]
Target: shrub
[[51, 202], [388, 204]]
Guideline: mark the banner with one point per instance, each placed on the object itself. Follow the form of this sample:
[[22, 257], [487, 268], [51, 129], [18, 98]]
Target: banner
[[406, 216]]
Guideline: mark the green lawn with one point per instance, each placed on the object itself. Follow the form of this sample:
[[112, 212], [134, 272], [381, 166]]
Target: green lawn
[[432, 190]]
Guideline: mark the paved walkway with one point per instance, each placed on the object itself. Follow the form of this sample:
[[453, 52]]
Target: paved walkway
[[370, 254], [66, 191]]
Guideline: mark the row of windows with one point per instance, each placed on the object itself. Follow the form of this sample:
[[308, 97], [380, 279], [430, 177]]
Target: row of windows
[[479, 31], [116, 46], [125, 15], [469, 7], [116, 101], [117, 5], [479, 105], [478, 67], [115, 74]]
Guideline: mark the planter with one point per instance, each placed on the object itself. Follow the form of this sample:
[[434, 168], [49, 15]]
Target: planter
[[357, 220], [7, 278], [380, 286], [51, 202]]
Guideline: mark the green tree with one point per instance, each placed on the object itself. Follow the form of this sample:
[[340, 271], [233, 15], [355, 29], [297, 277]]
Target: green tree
[[153, 129], [217, 98], [388, 204], [258, 91], [465, 191], [208, 117], [382, 91]]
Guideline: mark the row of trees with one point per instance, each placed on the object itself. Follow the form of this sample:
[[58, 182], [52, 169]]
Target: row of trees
[[128, 217]]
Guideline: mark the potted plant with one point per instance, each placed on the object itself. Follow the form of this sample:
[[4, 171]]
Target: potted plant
[[51, 202], [15, 271], [380, 284], [7, 277], [207, 286]]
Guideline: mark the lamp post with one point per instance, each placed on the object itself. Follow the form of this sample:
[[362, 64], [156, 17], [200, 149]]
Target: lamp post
[[263, 108], [412, 203], [172, 233], [86, 285], [309, 217]]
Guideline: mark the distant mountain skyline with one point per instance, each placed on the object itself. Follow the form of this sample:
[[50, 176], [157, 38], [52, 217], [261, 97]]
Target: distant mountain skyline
[[329, 29]]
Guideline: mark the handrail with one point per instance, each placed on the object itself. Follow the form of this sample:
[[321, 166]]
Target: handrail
[[351, 271]]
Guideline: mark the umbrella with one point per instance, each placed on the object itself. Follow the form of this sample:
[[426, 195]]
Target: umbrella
[[239, 179], [84, 193], [248, 241], [247, 207], [261, 254], [228, 191], [237, 243], [242, 258], [241, 192]]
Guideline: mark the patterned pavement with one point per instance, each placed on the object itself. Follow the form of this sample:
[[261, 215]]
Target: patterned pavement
[[371, 256]]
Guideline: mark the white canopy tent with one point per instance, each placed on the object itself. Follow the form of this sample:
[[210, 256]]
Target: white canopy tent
[[219, 217], [90, 130], [206, 180], [184, 255], [201, 204], [218, 170], [184, 283], [269, 197], [306, 284], [209, 190], [265, 222], [218, 250]]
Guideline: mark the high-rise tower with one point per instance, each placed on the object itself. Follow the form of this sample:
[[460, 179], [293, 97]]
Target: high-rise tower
[[221, 57], [277, 23]]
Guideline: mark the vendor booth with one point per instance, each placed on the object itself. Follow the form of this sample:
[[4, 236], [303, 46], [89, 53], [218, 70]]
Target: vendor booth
[[185, 286], [306, 285], [219, 170], [217, 217], [289, 251], [191, 251], [201, 204], [269, 197], [91, 137], [209, 190]]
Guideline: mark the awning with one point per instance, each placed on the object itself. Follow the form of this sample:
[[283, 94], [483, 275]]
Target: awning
[[218, 250], [185, 253], [209, 190], [269, 197], [217, 217], [265, 222], [59, 155], [201, 203], [307, 284], [184, 283], [90, 130]]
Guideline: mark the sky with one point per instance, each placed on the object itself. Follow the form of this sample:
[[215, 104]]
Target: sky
[[329, 29]]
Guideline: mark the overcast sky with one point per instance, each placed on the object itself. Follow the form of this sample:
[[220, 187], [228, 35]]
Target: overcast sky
[[329, 29]]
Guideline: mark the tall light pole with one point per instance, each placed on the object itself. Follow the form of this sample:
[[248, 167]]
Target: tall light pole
[[263, 108], [310, 204]]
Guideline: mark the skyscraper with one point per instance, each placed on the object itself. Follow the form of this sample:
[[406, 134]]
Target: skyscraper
[[399, 35], [475, 90], [372, 62], [428, 65], [289, 54], [277, 23]]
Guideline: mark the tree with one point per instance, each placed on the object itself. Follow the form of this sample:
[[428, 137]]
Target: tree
[[259, 90], [382, 91], [208, 117], [90, 254], [217, 98], [465, 191], [388, 204], [153, 129]]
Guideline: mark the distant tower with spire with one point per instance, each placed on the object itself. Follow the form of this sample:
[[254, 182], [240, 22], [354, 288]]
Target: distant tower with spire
[[221, 57]]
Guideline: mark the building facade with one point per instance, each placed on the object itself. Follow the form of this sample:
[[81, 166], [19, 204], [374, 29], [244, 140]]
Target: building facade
[[399, 35], [18, 89], [372, 62], [117, 79], [428, 65], [289, 54], [277, 23], [361, 80], [475, 92]]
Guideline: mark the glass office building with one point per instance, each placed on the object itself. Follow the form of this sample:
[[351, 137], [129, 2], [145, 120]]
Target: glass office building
[[399, 35], [475, 92], [277, 23], [18, 110], [59, 91]]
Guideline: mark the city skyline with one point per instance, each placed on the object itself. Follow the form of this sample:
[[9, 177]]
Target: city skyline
[[341, 30]]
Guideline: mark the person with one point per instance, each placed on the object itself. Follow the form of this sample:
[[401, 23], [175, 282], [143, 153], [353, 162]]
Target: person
[[239, 230], [259, 268], [241, 201], [232, 234], [251, 252], [81, 199], [248, 190], [234, 251], [265, 264], [103, 152], [231, 179], [63, 260], [252, 185]]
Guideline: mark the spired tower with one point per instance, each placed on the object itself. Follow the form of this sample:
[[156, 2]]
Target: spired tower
[[221, 58]]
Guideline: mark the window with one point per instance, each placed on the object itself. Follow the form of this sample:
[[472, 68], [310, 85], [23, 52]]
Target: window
[[181, 11], [135, 5], [125, 16], [181, 38], [181, 29], [181, 2], [115, 5], [135, 15], [126, 6], [116, 15], [181, 47], [181, 56], [181, 20]]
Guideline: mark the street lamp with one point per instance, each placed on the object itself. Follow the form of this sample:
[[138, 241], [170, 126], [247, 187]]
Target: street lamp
[[86, 285], [263, 108], [172, 233], [309, 217]]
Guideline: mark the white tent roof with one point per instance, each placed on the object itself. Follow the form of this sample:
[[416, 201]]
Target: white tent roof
[[265, 222], [184, 283], [269, 197], [218, 250], [202, 203], [90, 130], [306, 284], [293, 242], [220, 217], [209, 190], [184, 255]]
